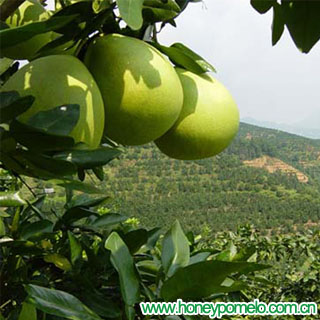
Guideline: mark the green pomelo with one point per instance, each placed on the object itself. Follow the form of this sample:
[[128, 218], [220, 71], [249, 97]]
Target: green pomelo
[[141, 91], [59, 80], [28, 12], [208, 122]]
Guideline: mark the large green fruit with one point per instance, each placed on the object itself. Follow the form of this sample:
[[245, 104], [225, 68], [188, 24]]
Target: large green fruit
[[141, 91], [58, 80], [208, 122], [29, 11]]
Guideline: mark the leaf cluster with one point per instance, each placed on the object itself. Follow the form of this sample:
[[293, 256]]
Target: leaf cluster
[[42, 148], [83, 263], [302, 19]]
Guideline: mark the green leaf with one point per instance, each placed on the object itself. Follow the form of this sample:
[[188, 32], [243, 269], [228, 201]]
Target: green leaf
[[11, 105], [277, 24], [59, 44], [47, 166], [198, 59], [100, 5], [228, 254], [11, 199], [36, 139], [199, 257], [135, 239], [107, 220], [5, 64], [7, 98], [59, 261], [2, 228], [77, 185], [131, 12], [59, 303], [75, 248], [183, 58], [77, 213], [101, 305], [175, 250], [88, 159], [262, 6], [153, 237], [157, 10], [13, 36], [36, 229], [83, 200], [98, 172], [60, 120], [123, 263], [203, 279], [303, 22], [244, 254], [28, 312]]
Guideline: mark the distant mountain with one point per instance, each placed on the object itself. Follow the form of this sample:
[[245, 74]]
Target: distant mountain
[[309, 127], [266, 177]]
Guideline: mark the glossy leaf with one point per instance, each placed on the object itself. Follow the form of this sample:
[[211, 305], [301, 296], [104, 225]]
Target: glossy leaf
[[302, 19], [28, 312], [59, 303], [77, 213], [102, 306], [86, 201], [11, 199], [203, 279], [12, 105], [13, 36], [2, 227], [75, 248], [135, 239], [60, 120], [157, 10], [198, 59], [123, 263], [277, 24], [107, 220], [49, 167], [262, 6], [100, 5], [98, 172], [5, 64], [88, 159], [199, 257], [175, 250], [131, 12], [36, 139], [183, 58], [35, 229], [77, 185], [59, 261]]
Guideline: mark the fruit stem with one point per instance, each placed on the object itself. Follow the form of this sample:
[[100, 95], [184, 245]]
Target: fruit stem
[[8, 7]]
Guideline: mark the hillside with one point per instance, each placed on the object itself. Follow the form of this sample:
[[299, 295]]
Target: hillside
[[225, 191]]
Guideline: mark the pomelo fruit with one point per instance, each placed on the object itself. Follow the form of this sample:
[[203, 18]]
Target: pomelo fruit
[[141, 91], [28, 12], [59, 80], [208, 122]]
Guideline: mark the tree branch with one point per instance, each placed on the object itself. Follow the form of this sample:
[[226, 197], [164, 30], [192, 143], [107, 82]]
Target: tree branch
[[8, 7]]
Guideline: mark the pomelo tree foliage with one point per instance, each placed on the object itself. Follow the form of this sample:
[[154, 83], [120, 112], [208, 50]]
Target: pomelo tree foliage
[[82, 263]]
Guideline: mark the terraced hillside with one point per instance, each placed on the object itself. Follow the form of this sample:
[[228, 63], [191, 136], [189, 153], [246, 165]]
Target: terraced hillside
[[223, 192]]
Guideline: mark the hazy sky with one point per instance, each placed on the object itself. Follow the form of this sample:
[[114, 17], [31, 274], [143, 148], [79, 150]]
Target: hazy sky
[[277, 84]]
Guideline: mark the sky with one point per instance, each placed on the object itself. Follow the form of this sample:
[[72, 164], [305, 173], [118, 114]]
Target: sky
[[278, 84]]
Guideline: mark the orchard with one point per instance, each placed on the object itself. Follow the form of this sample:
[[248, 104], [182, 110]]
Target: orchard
[[97, 80]]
